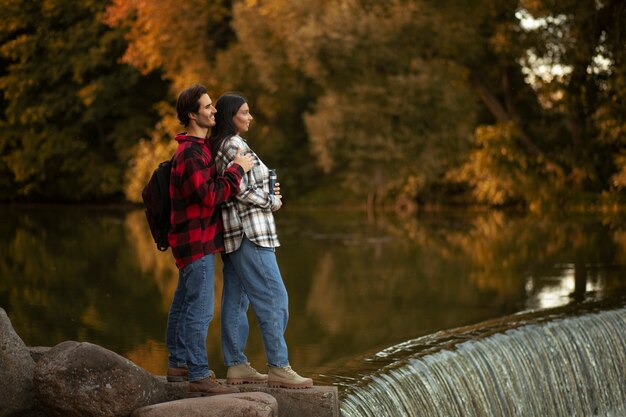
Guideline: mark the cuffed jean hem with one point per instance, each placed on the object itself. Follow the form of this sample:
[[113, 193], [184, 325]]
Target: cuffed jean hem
[[234, 363], [177, 365], [278, 366], [194, 379]]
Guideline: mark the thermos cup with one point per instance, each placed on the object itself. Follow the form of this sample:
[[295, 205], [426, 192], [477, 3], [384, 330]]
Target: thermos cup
[[272, 182]]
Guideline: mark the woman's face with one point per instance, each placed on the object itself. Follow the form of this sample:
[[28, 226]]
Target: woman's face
[[242, 118]]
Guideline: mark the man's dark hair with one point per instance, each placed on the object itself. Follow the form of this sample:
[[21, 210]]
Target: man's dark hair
[[227, 107], [189, 102]]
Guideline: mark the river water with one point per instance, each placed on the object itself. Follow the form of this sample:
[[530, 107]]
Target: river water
[[358, 284]]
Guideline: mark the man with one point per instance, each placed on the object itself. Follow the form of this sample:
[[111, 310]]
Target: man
[[195, 236]]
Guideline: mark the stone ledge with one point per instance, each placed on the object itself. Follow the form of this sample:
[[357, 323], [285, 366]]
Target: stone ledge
[[317, 401]]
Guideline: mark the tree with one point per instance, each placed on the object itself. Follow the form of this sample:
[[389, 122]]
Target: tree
[[228, 47], [554, 71], [394, 114], [379, 110], [182, 40], [71, 111], [178, 38], [402, 89], [265, 63]]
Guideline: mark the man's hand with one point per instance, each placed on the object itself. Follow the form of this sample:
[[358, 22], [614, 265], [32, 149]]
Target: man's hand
[[245, 161]]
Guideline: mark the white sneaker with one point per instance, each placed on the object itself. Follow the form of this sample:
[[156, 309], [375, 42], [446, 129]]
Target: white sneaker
[[244, 373], [286, 378]]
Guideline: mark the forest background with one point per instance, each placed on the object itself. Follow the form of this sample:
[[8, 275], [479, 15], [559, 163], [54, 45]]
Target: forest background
[[394, 103]]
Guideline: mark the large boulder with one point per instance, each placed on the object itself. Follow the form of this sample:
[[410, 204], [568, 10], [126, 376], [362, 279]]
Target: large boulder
[[16, 371], [85, 380], [245, 404]]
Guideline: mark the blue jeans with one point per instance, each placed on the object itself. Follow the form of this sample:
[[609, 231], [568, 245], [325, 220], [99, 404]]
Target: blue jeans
[[190, 314], [251, 276]]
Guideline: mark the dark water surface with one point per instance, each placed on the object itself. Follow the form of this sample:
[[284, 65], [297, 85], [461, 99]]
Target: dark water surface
[[357, 285]]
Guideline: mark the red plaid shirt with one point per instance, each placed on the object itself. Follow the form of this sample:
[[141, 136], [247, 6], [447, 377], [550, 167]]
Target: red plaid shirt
[[196, 193]]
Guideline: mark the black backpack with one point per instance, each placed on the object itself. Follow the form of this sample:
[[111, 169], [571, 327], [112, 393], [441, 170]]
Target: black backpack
[[156, 199]]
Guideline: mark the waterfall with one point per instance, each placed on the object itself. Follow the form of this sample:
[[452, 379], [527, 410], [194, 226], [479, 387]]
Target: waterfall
[[574, 366]]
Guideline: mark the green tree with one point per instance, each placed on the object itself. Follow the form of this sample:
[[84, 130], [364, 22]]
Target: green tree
[[550, 75], [394, 114], [265, 64], [71, 111]]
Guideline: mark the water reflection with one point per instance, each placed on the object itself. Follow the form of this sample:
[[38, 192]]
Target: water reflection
[[356, 285], [69, 274]]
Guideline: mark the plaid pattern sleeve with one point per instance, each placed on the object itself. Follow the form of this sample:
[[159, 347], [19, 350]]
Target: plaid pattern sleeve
[[250, 212], [196, 192]]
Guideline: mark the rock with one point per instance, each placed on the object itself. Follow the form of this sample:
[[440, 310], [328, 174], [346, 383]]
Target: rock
[[317, 401], [174, 390], [16, 371], [245, 404], [85, 380], [36, 352]]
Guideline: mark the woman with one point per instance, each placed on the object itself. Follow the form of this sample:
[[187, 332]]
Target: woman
[[251, 274]]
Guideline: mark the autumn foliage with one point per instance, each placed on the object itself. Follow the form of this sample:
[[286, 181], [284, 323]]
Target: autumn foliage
[[414, 101]]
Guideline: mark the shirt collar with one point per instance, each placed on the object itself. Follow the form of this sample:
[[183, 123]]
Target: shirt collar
[[184, 137]]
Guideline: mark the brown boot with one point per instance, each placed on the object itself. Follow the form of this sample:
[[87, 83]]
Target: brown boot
[[209, 386], [177, 374]]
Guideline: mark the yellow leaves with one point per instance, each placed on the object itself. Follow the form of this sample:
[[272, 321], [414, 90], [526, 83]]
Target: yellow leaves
[[19, 49], [496, 168], [166, 35], [88, 94], [619, 179], [405, 202], [148, 154], [323, 128], [151, 262], [91, 319], [500, 171], [118, 12], [500, 40]]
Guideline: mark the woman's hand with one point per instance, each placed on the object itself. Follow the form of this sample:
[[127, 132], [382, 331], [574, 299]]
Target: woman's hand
[[277, 194], [277, 190]]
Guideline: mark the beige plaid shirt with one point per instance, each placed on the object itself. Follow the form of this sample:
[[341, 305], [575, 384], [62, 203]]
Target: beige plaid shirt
[[250, 211]]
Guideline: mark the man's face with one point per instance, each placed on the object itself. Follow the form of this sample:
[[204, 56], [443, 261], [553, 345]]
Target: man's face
[[206, 112]]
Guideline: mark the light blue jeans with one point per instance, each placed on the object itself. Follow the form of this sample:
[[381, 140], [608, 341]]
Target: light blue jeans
[[251, 276], [189, 317]]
